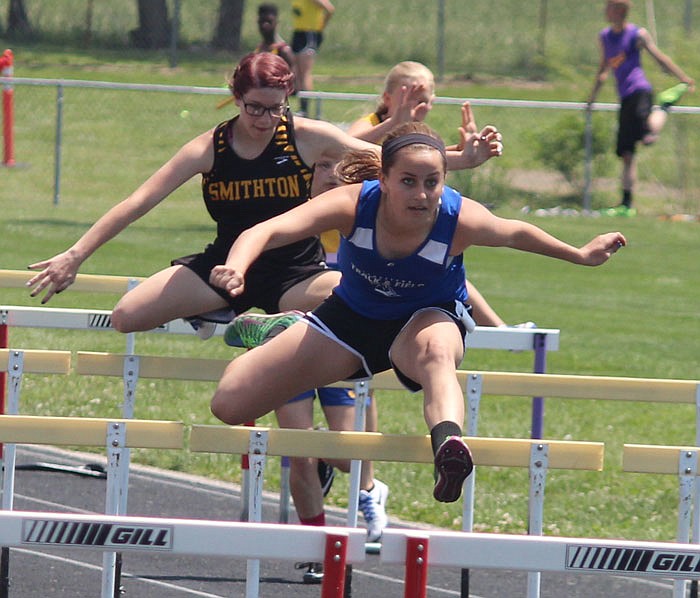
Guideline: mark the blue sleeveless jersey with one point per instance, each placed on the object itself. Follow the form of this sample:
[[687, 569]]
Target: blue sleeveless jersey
[[390, 289]]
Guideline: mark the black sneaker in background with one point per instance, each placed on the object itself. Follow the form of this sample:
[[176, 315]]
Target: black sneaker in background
[[326, 475], [313, 573]]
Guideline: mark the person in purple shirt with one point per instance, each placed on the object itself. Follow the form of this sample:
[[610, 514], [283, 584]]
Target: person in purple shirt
[[621, 45]]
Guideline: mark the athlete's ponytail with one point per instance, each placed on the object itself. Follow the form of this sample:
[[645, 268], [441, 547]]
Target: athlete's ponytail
[[358, 166]]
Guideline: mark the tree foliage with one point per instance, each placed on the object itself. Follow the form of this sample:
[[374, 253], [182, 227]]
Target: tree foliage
[[562, 145], [18, 25], [154, 25], [228, 27]]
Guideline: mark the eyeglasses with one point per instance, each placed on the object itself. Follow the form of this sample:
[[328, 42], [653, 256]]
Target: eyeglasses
[[254, 109]]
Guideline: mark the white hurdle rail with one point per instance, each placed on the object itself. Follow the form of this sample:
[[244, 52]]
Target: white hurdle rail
[[483, 337], [419, 549], [333, 546]]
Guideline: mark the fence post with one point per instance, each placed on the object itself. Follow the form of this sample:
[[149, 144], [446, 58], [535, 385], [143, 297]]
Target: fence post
[[6, 70], [58, 144], [587, 169]]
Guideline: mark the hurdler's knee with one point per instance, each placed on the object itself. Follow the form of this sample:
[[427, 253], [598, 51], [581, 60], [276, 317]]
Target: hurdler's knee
[[222, 408]]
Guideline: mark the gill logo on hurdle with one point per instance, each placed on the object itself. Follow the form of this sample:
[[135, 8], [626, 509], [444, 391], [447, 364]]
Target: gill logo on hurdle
[[71, 533], [670, 563], [102, 320], [99, 321]]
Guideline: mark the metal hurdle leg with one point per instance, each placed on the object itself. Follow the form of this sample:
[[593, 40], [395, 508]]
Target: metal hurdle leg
[[334, 566], [695, 535], [473, 397], [245, 483], [539, 462], [687, 472], [540, 366], [416, 571], [15, 369], [361, 395], [130, 377], [285, 491], [257, 452], [115, 501], [362, 388]]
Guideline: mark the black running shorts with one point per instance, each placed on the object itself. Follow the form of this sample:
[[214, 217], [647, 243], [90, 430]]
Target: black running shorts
[[632, 125], [371, 339]]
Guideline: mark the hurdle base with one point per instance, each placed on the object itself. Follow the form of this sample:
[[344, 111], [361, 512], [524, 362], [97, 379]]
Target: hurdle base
[[92, 470]]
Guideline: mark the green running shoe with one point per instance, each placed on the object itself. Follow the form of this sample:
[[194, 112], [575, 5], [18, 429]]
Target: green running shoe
[[252, 330], [620, 211], [670, 96]]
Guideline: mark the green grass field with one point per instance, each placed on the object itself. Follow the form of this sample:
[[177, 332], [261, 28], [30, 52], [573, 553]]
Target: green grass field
[[636, 316]]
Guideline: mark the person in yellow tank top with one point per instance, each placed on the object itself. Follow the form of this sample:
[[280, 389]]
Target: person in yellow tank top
[[310, 18]]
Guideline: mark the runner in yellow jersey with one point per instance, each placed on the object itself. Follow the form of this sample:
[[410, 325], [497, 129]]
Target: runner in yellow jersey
[[310, 18]]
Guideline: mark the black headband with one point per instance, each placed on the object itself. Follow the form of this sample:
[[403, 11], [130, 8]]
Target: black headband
[[394, 145]]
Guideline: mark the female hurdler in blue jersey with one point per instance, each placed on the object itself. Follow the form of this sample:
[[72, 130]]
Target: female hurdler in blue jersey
[[401, 302]]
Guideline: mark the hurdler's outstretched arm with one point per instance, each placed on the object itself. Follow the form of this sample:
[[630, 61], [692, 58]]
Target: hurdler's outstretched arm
[[478, 226]]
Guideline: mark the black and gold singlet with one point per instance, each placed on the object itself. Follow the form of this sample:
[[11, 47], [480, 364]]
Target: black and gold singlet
[[240, 193]]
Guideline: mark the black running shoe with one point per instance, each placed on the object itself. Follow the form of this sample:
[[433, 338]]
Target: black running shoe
[[453, 463], [313, 573], [326, 474]]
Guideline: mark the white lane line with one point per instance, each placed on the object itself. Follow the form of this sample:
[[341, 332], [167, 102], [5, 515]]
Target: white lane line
[[84, 565]]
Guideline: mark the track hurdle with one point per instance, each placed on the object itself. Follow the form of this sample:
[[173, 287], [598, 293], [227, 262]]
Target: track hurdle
[[333, 546], [418, 550], [89, 283], [674, 460], [539, 341], [477, 384], [13, 365], [262, 442], [400, 448], [115, 435]]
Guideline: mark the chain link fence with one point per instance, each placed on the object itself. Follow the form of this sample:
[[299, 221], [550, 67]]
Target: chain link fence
[[106, 138], [465, 38]]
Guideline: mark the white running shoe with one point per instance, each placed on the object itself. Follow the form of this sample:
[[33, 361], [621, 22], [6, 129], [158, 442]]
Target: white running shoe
[[203, 328], [526, 325], [373, 506]]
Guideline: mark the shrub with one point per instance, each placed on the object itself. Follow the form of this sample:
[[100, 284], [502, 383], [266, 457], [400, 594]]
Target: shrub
[[561, 146]]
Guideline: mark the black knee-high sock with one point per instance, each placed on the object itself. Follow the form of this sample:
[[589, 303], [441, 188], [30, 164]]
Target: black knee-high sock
[[627, 198], [442, 431]]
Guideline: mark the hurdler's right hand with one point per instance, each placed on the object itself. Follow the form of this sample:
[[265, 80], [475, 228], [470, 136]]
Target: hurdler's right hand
[[56, 275], [227, 278]]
